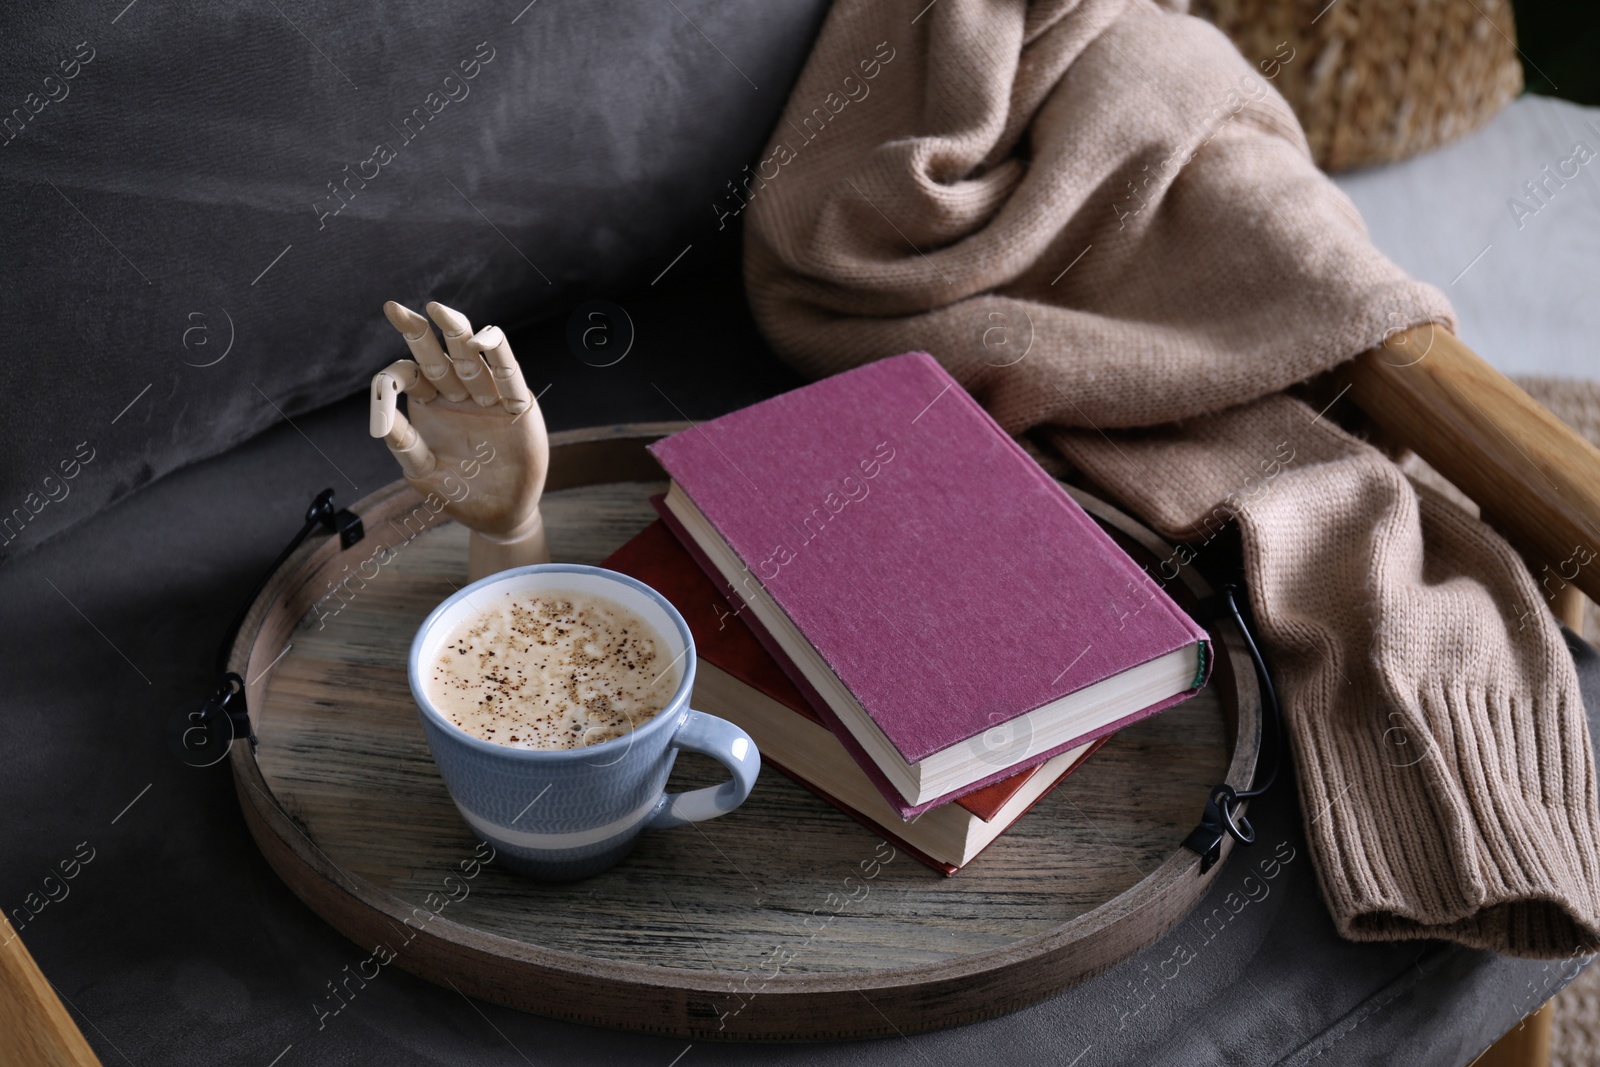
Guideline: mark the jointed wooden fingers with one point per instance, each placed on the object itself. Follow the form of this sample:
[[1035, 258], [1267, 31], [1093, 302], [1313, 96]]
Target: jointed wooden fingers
[[416, 459], [507, 375], [424, 346], [468, 364], [480, 366], [401, 376]]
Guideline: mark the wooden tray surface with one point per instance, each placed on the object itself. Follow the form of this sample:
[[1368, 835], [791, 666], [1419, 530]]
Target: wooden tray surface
[[783, 920]]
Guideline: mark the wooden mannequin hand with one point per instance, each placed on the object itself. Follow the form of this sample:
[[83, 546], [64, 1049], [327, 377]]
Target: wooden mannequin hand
[[475, 439]]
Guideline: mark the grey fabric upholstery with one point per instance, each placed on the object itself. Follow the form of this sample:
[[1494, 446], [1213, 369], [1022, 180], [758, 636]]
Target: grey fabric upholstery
[[167, 195], [178, 945]]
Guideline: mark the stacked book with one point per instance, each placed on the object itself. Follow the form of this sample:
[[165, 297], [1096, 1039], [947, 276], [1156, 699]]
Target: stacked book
[[910, 617]]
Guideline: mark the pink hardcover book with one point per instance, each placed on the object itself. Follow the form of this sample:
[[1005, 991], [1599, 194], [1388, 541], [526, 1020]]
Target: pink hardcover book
[[924, 582]]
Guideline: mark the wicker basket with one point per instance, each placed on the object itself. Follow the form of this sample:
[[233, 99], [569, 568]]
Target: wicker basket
[[1379, 80]]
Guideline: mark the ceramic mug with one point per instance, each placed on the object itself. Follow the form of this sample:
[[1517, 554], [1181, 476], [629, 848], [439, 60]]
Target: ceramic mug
[[562, 814]]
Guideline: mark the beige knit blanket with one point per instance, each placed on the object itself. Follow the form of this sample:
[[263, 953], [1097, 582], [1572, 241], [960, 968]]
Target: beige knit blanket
[[1103, 220]]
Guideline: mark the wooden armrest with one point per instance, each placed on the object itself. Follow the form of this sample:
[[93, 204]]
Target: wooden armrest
[[34, 1026], [1535, 479]]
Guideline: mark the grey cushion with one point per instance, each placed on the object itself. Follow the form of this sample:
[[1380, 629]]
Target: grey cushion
[[178, 944], [174, 198]]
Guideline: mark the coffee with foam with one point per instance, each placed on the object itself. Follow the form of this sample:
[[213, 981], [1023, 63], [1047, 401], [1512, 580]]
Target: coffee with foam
[[551, 669]]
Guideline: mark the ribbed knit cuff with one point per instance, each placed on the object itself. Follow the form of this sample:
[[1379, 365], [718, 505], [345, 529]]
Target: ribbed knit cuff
[[1443, 754], [1443, 848], [1479, 822]]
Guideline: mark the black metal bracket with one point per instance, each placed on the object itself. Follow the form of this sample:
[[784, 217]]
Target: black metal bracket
[[228, 700], [347, 524], [1206, 839], [1223, 816], [198, 736]]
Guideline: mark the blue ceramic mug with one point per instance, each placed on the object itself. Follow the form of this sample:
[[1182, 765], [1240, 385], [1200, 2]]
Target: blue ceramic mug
[[562, 814]]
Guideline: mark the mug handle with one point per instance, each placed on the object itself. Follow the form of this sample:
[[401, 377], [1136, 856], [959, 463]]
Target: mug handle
[[728, 745]]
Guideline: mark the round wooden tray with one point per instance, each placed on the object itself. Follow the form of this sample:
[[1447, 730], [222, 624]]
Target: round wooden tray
[[783, 920]]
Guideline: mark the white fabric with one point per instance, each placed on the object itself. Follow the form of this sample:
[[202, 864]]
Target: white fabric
[[1531, 304]]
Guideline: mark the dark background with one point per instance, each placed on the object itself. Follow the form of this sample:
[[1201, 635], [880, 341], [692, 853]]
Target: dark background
[[1560, 45], [171, 206]]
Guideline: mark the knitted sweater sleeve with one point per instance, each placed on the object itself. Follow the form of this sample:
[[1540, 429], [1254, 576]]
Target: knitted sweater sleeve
[[1443, 752]]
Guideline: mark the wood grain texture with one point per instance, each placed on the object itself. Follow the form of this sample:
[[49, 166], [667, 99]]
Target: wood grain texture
[[784, 919], [1536, 479], [1570, 606], [35, 1028], [1525, 1045]]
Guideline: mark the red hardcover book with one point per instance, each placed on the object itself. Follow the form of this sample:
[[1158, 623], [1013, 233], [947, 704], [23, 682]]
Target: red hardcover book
[[950, 610], [740, 681]]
